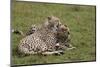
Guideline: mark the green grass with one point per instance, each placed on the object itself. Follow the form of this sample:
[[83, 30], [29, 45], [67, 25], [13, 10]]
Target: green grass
[[80, 20]]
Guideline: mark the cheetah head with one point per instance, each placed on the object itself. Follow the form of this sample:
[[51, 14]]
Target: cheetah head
[[63, 33], [52, 23]]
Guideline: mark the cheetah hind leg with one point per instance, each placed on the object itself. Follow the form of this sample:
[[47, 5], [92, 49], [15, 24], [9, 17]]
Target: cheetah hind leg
[[25, 51]]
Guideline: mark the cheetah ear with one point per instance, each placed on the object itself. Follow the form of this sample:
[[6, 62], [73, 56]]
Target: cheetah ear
[[49, 17], [65, 25]]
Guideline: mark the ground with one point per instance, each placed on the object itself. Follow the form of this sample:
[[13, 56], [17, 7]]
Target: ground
[[80, 19]]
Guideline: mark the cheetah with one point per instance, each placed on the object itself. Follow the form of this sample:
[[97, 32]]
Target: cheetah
[[64, 38], [31, 30], [45, 40], [42, 40]]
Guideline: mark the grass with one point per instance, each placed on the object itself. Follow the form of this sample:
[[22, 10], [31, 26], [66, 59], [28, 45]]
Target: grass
[[80, 19]]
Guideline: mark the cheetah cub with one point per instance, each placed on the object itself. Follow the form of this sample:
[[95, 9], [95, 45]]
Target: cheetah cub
[[31, 30]]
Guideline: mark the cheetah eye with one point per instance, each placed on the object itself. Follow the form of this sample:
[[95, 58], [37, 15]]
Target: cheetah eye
[[65, 25]]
